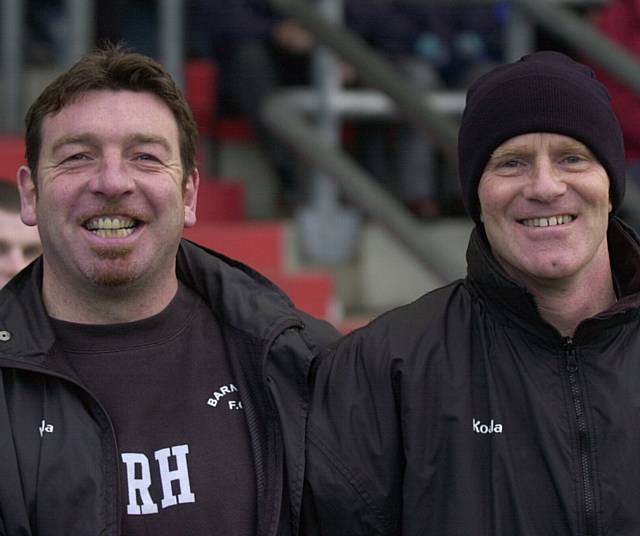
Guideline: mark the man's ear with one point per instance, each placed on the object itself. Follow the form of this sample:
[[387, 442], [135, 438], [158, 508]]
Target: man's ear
[[190, 197], [28, 195]]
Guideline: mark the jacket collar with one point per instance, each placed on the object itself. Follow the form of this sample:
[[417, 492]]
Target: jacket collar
[[234, 291], [23, 317], [489, 280]]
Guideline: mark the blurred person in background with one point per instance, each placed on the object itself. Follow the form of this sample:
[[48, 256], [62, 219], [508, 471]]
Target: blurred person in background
[[257, 52], [19, 243], [435, 47]]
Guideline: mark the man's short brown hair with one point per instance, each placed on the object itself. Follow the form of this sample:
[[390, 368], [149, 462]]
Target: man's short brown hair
[[112, 68]]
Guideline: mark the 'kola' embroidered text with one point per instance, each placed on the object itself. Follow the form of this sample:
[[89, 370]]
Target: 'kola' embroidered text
[[491, 428]]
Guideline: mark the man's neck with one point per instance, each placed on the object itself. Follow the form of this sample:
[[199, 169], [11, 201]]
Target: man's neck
[[565, 307], [108, 305]]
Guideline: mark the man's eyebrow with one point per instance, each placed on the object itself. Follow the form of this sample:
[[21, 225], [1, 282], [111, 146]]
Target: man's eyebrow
[[574, 147], [80, 139], [90, 139], [513, 151], [568, 146], [137, 139]]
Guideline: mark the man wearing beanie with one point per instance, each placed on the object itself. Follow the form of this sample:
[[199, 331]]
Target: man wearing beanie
[[506, 403]]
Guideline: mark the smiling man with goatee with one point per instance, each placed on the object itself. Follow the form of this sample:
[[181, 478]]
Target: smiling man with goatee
[[113, 343]]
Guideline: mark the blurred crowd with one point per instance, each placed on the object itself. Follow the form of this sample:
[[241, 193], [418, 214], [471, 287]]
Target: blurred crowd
[[434, 45]]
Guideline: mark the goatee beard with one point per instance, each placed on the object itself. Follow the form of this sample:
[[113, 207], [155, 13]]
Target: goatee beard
[[113, 277]]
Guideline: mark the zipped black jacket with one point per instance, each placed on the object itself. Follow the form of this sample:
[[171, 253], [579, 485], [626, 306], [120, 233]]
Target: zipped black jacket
[[67, 482], [466, 414]]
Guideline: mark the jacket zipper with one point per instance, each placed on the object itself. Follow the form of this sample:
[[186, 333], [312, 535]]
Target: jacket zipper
[[584, 441]]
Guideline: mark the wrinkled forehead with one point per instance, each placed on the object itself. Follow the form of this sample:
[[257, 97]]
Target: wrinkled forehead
[[103, 115], [534, 142]]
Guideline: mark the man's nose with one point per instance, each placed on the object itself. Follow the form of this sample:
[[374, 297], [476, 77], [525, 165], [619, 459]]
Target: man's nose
[[546, 183], [112, 178]]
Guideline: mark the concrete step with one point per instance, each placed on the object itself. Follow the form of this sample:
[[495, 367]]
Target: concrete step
[[390, 275], [247, 163], [383, 274]]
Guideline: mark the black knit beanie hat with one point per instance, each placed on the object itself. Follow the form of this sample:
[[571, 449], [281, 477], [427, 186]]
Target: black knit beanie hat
[[541, 92]]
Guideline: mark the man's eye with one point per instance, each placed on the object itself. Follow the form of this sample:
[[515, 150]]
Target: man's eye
[[573, 159], [510, 163], [147, 157], [76, 157]]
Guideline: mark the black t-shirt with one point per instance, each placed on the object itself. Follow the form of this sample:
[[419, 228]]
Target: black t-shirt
[[185, 458]]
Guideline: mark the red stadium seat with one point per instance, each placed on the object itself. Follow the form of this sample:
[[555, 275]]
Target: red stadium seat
[[11, 156]]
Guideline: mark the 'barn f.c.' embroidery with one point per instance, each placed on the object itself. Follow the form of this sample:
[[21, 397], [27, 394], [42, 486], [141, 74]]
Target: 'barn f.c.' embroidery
[[221, 393]]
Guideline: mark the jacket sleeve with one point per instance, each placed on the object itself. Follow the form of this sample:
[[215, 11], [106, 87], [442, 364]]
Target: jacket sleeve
[[354, 457]]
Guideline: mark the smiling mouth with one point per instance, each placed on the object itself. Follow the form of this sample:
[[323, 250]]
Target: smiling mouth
[[111, 227], [551, 221]]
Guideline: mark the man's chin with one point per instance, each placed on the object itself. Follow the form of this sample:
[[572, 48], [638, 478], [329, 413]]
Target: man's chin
[[112, 253], [114, 270], [114, 279]]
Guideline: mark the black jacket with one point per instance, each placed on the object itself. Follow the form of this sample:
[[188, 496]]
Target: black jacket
[[465, 414], [67, 483]]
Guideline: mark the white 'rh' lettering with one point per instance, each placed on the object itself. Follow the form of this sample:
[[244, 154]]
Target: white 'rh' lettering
[[181, 474], [141, 485]]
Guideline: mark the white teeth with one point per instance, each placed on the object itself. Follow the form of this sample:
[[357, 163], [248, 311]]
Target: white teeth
[[113, 233], [107, 227], [548, 222]]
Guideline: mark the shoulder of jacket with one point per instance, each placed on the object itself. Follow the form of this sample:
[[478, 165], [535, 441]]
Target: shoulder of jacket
[[320, 331], [428, 309], [397, 332]]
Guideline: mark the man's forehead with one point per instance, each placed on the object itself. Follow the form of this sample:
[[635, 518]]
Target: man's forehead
[[104, 93], [95, 113], [134, 102], [532, 141]]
